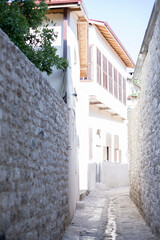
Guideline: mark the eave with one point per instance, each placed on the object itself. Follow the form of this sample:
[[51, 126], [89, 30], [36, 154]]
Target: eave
[[114, 42], [57, 2]]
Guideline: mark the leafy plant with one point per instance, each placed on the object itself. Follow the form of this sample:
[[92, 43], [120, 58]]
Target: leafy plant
[[22, 21]]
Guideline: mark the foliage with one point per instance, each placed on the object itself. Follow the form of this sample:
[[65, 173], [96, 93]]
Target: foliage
[[17, 18], [138, 82]]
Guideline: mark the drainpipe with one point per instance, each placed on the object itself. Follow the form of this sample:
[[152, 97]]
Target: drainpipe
[[64, 85], [65, 24]]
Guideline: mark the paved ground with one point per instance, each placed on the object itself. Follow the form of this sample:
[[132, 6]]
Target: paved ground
[[108, 214]]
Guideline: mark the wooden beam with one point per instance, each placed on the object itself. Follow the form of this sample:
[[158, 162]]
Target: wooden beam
[[83, 47], [94, 103], [57, 10], [115, 114], [74, 9], [104, 108]]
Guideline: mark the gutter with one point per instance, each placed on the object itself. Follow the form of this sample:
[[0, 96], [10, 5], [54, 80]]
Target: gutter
[[147, 38], [63, 6]]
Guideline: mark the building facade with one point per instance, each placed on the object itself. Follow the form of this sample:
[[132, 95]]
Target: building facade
[[95, 88]]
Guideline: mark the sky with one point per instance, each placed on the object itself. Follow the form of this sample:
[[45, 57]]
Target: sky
[[127, 18]]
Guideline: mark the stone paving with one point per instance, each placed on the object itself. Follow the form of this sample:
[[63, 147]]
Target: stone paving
[[108, 214]]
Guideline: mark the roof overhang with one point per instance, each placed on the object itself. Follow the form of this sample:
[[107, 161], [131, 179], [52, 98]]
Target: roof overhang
[[54, 4], [73, 5], [103, 27], [114, 42], [57, 2]]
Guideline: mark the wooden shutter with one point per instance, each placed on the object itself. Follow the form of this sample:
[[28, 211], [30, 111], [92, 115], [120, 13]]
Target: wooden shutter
[[120, 87], [108, 140], [120, 156], [98, 66], [83, 48], [124, 91], [115, 84], [89, 62], [105, 84], [110, 78], [116, 142]]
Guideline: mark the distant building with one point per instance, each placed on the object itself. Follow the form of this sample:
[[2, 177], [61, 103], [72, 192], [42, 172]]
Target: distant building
[[95, 88], [133, 91]]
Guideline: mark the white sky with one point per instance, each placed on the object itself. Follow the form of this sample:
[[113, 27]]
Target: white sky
[[127, 18]]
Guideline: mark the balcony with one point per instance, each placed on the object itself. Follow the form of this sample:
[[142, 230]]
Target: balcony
[[104, 100]]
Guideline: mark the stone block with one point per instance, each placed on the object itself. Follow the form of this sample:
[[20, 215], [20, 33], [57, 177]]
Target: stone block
[[3, 175]]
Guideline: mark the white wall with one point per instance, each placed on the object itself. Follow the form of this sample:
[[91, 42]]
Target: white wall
[[92, 117], [58, 77], [74, 63], [82, 129], [115, 175], [67, 82], [72, 79], [115, 126]]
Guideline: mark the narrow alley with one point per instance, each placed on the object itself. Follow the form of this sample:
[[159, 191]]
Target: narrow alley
[[108, 214]]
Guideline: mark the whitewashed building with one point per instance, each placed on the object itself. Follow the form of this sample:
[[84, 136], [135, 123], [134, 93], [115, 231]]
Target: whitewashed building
[[95, 88]]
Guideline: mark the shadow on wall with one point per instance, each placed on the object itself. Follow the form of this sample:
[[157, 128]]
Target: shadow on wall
[[2, 236]]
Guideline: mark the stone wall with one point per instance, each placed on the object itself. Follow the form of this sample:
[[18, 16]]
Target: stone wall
[[33, 151], [144, 137]]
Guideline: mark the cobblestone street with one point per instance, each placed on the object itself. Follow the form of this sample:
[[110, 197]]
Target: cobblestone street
[[108, 214]]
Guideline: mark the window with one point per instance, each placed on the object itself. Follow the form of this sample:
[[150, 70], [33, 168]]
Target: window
[[115, 83], [98, 66], [106, 155], [120, 87], [124, 91], [108, 146], [105, 85], [110, 78]]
